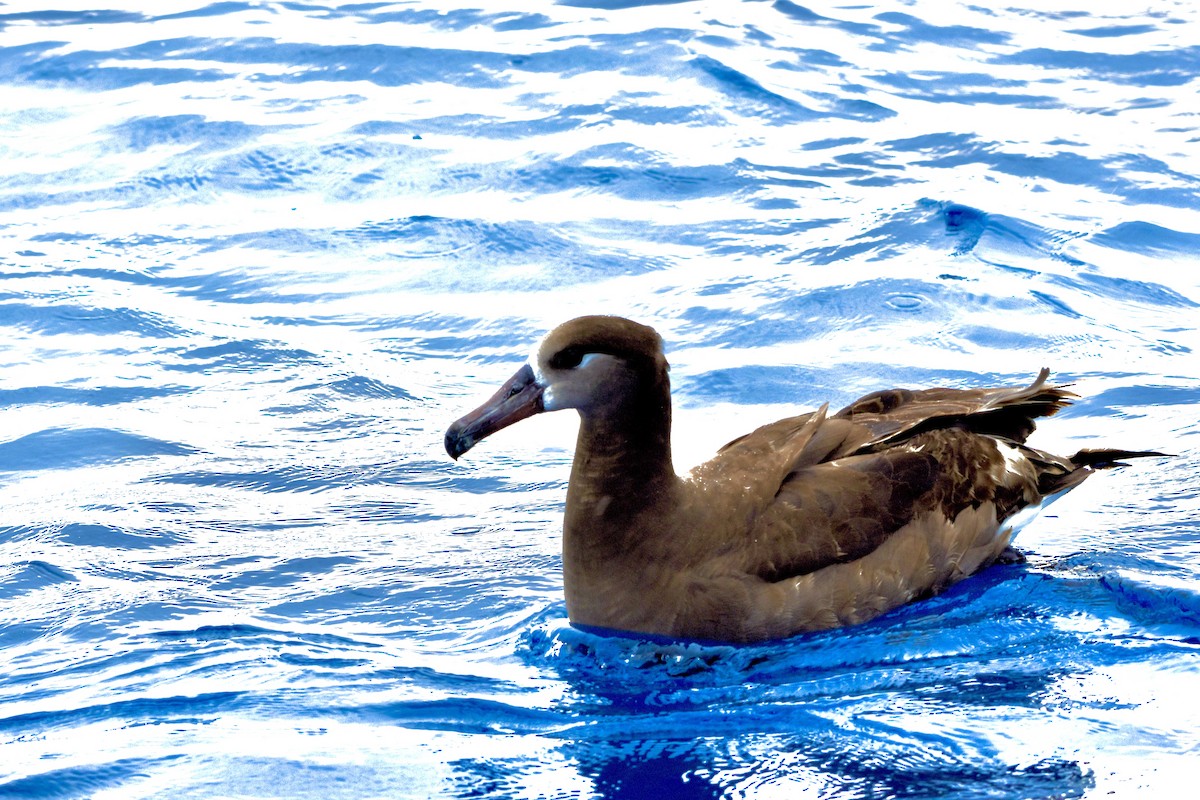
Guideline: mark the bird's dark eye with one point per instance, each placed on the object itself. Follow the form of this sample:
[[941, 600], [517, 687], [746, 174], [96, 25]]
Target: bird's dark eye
[[567, 358]]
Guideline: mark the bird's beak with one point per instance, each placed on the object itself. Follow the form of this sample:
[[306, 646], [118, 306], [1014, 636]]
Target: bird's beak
[[518, 398]]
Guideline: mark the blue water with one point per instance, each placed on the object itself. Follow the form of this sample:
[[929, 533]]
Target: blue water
[[257, 256]]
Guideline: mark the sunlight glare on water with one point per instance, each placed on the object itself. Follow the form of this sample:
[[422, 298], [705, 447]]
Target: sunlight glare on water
[[259, 255]]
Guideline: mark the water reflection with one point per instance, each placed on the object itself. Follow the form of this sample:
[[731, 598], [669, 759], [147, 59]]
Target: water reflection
[[921, 703]]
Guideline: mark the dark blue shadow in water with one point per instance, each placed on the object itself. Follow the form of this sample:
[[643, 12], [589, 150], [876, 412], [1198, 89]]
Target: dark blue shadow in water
[[62, 448], [50, 18], [1164, 67], [915, 30], [69, 783], [210, 10], [183, 129], [31, 576], [94, 396], [1111, 31], [246, 355], [87, 535], [803, 14], [1148, 239], [947, 151], [617, 5], [59, 318]]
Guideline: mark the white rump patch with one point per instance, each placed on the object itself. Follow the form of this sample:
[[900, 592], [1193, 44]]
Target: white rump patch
[[1026, 515], [1014, 460]]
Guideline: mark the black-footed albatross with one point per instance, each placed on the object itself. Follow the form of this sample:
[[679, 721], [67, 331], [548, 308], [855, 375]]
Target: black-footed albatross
[[808, 523]]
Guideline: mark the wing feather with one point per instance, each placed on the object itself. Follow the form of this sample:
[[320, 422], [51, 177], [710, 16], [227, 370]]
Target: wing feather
[[832, 489]]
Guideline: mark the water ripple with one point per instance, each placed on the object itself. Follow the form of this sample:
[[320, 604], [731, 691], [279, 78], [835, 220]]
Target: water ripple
[[258, 257]]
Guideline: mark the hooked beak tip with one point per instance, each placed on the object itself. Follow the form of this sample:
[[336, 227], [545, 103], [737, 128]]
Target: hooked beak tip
[[518, 398], [456, 443]]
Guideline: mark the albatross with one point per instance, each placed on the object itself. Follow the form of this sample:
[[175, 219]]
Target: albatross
[[813, 522]]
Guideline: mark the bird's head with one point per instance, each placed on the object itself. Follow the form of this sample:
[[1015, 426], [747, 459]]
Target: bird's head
[[594, 364]]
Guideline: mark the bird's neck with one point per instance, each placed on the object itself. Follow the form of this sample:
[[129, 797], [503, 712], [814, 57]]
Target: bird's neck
[[620, 504], [622, 465]]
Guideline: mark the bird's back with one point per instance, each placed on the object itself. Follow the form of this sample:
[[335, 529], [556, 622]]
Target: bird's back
[[900, 494]]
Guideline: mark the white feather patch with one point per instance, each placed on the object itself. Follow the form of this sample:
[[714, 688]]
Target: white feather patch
[[548, 403], [1015, 461], [535, 364], [1026, 515]]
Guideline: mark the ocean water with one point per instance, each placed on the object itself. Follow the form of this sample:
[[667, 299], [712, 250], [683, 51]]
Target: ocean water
[[256, 256]]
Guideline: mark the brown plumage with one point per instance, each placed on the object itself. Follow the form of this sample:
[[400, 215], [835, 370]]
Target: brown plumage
[[807, 523]]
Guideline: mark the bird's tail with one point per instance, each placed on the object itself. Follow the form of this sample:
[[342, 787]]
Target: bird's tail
[[1106, 458], [1060, 474]]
